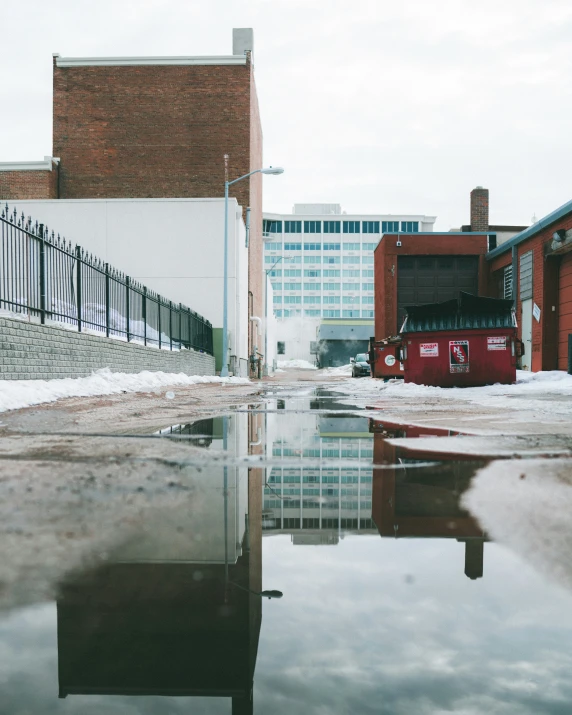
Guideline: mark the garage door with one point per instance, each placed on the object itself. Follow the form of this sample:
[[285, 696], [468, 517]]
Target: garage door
[[564, 310], [432, 279]]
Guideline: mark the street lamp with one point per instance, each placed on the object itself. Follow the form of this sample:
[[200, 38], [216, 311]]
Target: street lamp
[[269, 170]]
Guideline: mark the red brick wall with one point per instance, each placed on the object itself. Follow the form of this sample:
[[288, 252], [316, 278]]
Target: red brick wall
[[479, 209], [152, 131], [23, 185], [435, 244]]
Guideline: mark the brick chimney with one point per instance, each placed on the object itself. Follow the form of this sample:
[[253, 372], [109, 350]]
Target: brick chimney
[[479, 209]]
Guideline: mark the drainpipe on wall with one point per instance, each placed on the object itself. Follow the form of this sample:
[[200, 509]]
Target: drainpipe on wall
[[247, 228]]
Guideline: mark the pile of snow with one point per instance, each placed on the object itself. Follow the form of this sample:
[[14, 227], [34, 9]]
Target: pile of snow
[[15, 394], [341, 371], [299, 364]]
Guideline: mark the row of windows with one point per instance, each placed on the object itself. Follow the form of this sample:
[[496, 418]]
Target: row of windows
[[326, 299], [326, 313], [311, 479], [327, 260], [277, 246], [272, 226], [322, 286]]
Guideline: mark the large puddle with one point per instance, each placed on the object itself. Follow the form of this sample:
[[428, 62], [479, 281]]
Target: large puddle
[[394, 599]]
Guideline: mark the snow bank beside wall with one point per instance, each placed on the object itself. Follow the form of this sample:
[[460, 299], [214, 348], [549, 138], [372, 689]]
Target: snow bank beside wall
[[29, 351]]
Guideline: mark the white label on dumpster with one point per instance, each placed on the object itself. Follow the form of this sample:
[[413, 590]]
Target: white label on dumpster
[[496, 343], [390, 360], [429, 350]]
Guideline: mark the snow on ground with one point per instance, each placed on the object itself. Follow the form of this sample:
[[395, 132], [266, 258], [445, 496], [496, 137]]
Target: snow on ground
[[343, 370], [299, 364], [547, 392], [526, 506], [15, 394]]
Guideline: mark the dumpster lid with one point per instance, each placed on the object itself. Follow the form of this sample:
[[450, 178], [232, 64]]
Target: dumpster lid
[[465, 312]]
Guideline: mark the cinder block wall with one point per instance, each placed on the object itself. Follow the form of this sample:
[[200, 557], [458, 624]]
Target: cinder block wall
[[29, 351]]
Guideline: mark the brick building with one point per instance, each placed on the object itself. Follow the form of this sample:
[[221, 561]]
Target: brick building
[[535, 269], [153, 127]]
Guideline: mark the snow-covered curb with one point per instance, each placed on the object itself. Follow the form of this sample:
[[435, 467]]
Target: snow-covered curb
[[15, 394]]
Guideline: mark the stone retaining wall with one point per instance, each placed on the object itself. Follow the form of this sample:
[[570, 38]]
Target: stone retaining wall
[[29, 351]]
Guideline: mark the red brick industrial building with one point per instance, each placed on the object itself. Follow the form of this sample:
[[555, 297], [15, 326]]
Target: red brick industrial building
[[533, 266], [153, 127]]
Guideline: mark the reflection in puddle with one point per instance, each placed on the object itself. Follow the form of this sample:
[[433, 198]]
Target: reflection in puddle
[[174, 612]]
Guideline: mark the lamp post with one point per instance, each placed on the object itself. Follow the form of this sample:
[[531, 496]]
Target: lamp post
[[227, 184]]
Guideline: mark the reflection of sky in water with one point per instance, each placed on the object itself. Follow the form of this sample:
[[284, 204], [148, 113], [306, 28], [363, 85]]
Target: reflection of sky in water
[[368, 626]]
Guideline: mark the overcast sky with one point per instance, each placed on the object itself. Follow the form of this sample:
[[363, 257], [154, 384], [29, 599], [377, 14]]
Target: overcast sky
[[382, 106]]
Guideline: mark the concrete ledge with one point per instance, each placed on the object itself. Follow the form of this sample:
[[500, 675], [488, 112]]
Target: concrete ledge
[[29, 351]]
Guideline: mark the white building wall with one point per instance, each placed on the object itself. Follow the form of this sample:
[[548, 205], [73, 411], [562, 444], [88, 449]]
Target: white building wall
[[173, 246]]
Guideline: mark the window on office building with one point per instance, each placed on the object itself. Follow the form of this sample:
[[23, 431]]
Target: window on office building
[[367, 314], [331, 286], [312, 227], [351, 246], [330, 313], [331, 273], [312, 246], [368, 246], [292, 226], [292, 286], [331, 246], [278, 313], [292, 299], [350, 299], [277, 298], [367, 286], [370, 226], [270, 259], [312, 272], [367, 299], [273, 246], [313, 313], [312, 286], [367, 260], [312, 299], [331, 226], [350, 314], [350, 273], [271, 226], [292, 272], [331, 259], [331, 299], [275, 273], [367, 273], [351, 259], [351, 286], [351, 226], [292, 246], [410, 226], [312, 259], [389, 226], [277, 286]]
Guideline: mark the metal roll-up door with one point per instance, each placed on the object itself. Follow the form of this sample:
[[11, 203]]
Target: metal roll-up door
[[432, 279]]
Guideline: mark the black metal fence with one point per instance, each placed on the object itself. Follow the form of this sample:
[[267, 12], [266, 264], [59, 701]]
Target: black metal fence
[[44, 276]]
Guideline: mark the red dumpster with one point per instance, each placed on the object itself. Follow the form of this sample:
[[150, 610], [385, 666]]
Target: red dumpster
[[465, 342], [384, 357]]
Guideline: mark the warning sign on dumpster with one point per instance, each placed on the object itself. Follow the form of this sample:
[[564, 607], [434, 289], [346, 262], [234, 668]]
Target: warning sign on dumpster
[[459, 356], [496, 343], [429, 349]]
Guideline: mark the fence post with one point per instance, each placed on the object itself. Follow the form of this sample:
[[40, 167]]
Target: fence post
[[127, 326], [190, 334], [159, 318], [78, 282], [170, 326], [144, 314], [107, 300], [42, 277]]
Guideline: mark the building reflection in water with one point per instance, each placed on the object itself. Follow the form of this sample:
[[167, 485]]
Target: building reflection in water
[[164, 616], [423, 502]]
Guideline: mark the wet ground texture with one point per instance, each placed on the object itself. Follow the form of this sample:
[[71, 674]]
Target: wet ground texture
[[281, 550]]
